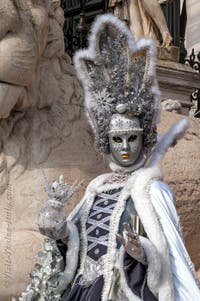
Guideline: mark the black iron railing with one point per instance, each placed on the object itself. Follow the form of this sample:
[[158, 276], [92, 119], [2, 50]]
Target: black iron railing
[[194, 61], [79, 14]]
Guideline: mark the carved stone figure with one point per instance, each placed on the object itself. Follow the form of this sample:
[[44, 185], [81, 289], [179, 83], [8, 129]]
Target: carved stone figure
[[145, 18], [34, 67], [25, 27]]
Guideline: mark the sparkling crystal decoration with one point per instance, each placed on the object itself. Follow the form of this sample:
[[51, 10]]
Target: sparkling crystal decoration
[[45, 276]]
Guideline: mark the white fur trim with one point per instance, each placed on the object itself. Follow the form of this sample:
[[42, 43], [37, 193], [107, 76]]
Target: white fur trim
[[150, 220], [71, 258], [153, 270], [134, 46], [112, 242], [123, 282], [154, 265], [91, 192], [175, 133], [91, 188]]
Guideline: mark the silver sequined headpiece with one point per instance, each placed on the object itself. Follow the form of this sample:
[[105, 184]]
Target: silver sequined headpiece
[[118, 76]]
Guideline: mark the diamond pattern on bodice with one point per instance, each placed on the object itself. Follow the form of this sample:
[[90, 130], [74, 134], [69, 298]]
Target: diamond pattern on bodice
[[98, 223]]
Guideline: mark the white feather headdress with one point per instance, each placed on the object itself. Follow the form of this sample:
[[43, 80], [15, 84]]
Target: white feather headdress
[[115, 69]]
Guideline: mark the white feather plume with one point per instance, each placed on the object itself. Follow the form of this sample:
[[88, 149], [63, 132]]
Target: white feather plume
[[167, 140]]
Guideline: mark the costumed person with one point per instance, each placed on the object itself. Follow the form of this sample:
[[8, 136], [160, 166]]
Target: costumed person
[[123, 241]]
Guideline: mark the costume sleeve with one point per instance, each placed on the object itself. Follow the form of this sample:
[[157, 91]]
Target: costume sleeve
[[184, 278], [69, 249], [136, 277]]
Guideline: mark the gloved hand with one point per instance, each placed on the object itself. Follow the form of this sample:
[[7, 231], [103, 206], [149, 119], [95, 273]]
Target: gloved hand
[[51, 218], [132, 244]]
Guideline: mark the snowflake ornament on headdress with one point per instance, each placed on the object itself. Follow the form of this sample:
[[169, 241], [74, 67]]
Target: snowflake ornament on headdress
[[118, 76]]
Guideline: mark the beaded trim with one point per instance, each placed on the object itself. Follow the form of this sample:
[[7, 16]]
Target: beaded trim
[[88, 204], [92, 270], [123, 283], [167, 287], [130, 130], [93, 223], [143, 287], [114, 220], [192, 269], [83, 253], [112, 244]]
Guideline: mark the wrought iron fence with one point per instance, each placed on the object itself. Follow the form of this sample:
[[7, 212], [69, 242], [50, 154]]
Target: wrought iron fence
[[79, 14], [194, 61]]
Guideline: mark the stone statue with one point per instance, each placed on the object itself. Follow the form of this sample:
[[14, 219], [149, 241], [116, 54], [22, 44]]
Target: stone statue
[[24, 35], [145, 18], [18, 54], [192, 36], [39, 97]]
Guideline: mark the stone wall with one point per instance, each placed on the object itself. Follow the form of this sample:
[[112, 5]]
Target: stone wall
[[182, 171]]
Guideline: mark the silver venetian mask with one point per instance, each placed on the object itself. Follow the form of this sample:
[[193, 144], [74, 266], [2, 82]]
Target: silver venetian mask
[[125, 139]]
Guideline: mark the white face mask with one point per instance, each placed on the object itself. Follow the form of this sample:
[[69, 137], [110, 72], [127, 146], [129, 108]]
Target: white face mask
[[125, 139]]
